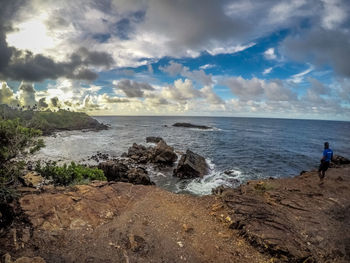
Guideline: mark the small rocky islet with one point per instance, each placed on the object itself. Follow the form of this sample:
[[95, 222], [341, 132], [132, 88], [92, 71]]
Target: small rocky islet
[[130, 219]]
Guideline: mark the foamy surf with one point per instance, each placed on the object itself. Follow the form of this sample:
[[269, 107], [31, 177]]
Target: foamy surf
[[204, 186]]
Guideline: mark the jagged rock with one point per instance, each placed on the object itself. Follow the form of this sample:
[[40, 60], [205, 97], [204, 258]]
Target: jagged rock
[[191, 165], [190, 125], [118, 171], [33, 179], [163, 153], [139, 153], [138, 175], [339, 160], [154, 139], [114, 170]]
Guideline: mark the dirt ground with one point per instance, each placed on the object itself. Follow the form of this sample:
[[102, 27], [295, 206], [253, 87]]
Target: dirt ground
[[292, 220]]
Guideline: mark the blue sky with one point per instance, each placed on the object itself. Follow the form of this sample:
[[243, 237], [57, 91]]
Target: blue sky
[[284, 59]]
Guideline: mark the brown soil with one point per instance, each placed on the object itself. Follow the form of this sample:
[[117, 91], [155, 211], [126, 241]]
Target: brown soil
[[291, 220]]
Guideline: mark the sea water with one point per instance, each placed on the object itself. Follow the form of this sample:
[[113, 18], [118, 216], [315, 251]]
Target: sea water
[[236, 149]]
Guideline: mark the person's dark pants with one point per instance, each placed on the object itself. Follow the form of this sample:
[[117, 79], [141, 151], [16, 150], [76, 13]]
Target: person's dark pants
[[323, 168]]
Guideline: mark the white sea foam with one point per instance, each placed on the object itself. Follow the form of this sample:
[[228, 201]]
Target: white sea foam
[[204, 186]]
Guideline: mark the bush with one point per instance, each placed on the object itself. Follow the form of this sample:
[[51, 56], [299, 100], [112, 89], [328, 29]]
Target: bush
[[69, 174]]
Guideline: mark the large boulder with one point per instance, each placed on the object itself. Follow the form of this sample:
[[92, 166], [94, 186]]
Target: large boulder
[[138, 175], [164, 154], [191, 165], [114, 170], [119, 172], [33, 179], [139, 153]]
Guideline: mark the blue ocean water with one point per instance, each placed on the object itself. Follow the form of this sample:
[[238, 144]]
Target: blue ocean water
[[237, 149]]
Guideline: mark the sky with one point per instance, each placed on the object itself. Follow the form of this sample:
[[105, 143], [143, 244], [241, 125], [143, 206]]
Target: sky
[[244, 58]]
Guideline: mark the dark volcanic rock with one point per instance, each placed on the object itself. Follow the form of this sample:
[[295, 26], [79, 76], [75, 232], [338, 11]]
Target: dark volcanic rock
[[189, 125], [154, 139], [138, 175], [163, 153], [191, 165], [339, 160], [119, 172], [139, 153]]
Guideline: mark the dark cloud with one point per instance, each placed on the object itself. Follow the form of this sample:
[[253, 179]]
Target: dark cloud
[[24, 65], [321, 47], [133, 89]]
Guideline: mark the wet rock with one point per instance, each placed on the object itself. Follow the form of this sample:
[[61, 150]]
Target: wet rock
[[33, 179], [139, 153], [163, 153], [119, 171], [153, 139], [191, 165], [99, 156], [190, 125]]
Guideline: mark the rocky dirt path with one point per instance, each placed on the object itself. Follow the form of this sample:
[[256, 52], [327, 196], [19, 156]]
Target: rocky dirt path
[[292, 220], [120, 222]]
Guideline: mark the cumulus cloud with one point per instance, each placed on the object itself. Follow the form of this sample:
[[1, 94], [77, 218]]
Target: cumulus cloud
[[108, 99], [7, 96], [27, 94], [270, 53], [133, 89], [257, 89], [181, 91], [173, 68]]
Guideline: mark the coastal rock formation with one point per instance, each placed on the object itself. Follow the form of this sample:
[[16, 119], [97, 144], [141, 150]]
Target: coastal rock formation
[[160, 154], [163, 154], [191, 165], [118, 171], [190, 125], [294, 219], [339, 160], [33, 179]]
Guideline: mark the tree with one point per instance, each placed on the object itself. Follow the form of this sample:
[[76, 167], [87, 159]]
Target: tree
[[15, 140]]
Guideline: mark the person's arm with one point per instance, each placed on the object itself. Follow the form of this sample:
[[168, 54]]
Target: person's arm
[[323, 155]]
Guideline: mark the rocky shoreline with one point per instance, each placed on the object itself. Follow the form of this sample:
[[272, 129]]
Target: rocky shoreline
[[129, 219]]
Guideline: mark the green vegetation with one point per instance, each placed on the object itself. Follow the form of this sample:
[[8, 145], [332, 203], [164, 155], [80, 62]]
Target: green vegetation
[[14, 140], [69, 174], [263, 187], [49, 121]]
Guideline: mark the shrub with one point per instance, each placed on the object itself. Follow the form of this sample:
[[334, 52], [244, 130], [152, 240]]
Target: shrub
[[69, 174]]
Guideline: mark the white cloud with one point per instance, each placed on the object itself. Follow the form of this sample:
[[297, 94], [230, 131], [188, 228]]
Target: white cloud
[[270, 53], [267, 71], [299, 77]]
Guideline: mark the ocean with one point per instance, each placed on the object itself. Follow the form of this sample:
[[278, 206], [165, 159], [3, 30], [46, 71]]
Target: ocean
[[236, 149]]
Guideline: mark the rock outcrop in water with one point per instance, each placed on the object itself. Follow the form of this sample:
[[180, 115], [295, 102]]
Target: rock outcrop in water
[[191, 165], [160, 154], [190, 125]]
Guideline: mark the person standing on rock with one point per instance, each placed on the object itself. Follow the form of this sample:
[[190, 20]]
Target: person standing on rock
[[325, 161]]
